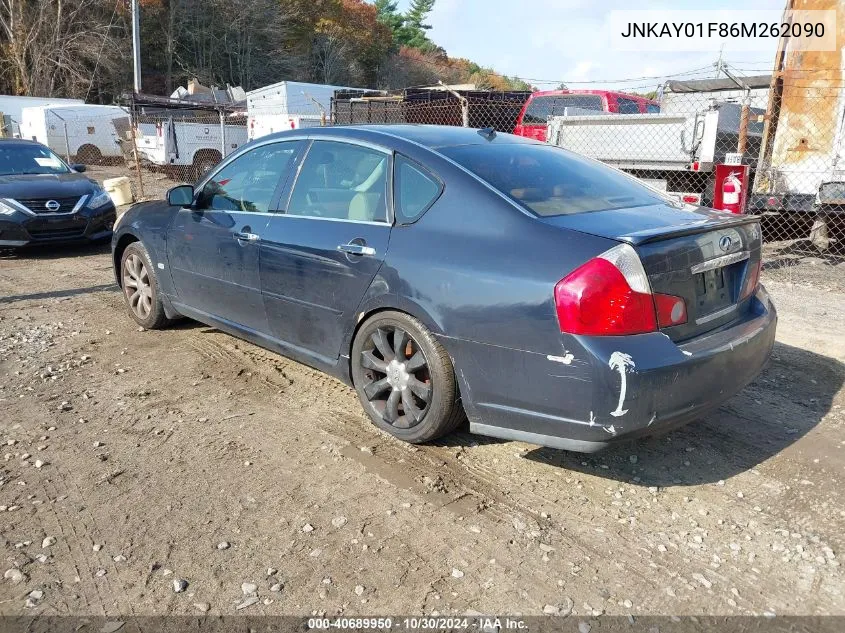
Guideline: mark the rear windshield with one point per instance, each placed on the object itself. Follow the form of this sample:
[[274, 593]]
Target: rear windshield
[[552, 181], [541, 108]]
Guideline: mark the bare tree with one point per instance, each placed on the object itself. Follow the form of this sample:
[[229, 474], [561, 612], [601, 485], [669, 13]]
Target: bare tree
[[330, 54], [54, 46]]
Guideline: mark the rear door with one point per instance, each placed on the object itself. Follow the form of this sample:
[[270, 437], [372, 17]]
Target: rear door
[[321, 251], [213, 247], [149, 139]]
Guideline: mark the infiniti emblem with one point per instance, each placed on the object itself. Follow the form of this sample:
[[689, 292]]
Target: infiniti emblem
[[52, 205], [725, 243]]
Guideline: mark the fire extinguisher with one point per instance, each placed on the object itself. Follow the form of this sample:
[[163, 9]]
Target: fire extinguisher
[[731, 193]]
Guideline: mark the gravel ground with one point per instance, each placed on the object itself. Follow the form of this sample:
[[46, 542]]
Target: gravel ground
[[185, 471]]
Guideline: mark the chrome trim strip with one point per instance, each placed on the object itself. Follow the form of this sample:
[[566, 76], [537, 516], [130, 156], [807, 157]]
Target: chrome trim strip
[[725, 260], [81, 202], [715, 315], [299, 136], [19, 206], [280, 214], [198, 211]]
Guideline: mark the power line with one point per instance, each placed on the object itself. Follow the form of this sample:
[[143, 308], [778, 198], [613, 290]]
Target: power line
[[694, 71], [625, 80]]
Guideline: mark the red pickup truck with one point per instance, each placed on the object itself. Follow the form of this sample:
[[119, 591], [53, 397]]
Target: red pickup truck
[[541, 105]]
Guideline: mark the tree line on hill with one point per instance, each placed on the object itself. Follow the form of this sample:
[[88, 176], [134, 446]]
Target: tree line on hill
[[83, 48]]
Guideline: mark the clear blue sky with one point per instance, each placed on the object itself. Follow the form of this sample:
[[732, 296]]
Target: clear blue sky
[[568, 40]]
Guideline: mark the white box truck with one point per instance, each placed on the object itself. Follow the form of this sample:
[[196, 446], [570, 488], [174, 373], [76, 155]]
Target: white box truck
[[81, 133], [288, 105], [11, 107]]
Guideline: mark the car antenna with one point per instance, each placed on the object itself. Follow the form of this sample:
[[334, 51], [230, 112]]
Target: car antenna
[[488, 132]]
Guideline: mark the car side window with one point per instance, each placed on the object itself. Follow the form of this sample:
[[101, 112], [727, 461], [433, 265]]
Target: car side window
[[414, 190], [628, 106], [341, 181], [249, 182]]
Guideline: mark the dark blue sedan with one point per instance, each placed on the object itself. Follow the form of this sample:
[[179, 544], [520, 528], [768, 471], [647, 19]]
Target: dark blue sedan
[[448, 272], [45, 201]]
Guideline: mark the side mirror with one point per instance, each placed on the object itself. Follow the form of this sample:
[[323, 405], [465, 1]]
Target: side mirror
[[78, 168], [180, 196]]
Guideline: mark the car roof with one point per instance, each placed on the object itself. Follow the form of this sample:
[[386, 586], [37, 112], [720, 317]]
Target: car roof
[[431, 136]]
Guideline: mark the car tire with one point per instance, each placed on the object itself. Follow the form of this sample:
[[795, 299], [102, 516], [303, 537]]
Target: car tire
[[204, 162], [89, 154], [140, 288], [404, 378]]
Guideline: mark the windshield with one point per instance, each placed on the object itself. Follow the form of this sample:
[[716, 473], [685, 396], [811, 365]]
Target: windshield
[[23, 158], [552, 181], [541, 108]]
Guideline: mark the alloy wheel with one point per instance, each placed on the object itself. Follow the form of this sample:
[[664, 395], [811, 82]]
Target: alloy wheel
[[137, 286], [398, 382]]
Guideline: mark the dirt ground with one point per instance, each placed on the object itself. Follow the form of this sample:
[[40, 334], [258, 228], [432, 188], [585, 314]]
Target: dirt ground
[[133, 460]]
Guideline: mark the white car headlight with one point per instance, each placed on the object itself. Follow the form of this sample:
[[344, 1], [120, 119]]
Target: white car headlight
[[6, 208], [99, 199]]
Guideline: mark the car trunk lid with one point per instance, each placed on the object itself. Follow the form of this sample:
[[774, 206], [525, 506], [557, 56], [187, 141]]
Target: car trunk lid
[[704, 256]]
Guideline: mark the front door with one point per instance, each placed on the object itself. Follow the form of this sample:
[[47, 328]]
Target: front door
[[213, 247], [320, 254]]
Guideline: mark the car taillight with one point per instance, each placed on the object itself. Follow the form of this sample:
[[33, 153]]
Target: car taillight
[[610, 296], [671, 310], [752, 280]]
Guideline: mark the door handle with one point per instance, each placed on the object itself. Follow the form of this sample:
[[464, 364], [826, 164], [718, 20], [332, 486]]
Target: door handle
[[246, 237], [356, 249]]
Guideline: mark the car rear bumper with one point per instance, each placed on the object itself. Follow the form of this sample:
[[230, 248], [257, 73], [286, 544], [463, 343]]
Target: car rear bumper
[[84, 226], [572, 399]]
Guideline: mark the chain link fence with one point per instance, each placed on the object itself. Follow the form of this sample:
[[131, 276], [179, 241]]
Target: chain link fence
[[775, 153]]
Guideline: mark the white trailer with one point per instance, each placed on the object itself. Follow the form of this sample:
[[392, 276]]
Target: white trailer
[[686, 97], [288, 105], [676, 153], [11, 109], [81, 133], [187, 147]]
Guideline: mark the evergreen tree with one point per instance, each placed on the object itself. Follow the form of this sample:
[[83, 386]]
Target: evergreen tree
[[414, 32], [388, 14]]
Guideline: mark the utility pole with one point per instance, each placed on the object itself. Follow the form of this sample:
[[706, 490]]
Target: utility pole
[[136, 45]]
